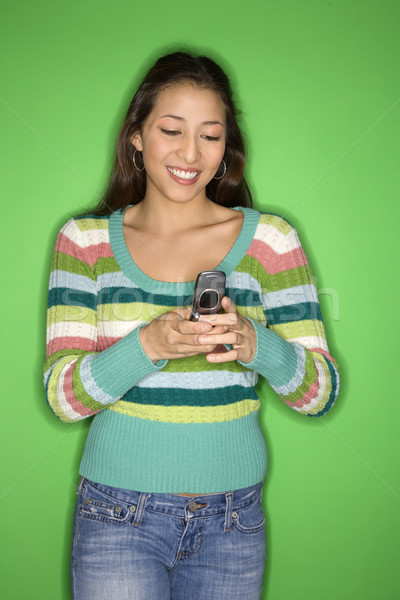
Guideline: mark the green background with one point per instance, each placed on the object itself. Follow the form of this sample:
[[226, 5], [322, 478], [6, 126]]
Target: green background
[[319, 86]]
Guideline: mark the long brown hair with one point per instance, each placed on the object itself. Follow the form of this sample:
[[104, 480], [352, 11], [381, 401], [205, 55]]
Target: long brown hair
[[127, 185]]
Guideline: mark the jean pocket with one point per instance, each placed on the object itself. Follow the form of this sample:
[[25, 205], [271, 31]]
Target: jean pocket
[[102, 507], [250, 519]]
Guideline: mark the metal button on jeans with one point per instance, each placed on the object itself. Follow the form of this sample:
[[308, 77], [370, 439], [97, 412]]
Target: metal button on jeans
[[193, 506]]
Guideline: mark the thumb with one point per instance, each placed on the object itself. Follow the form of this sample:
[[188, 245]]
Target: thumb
[[228, 305]]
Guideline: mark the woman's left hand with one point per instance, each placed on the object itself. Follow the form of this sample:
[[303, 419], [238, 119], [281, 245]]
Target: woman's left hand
[[239, 332]]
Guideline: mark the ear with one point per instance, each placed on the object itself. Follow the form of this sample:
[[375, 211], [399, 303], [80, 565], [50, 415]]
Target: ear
[[136, 140]]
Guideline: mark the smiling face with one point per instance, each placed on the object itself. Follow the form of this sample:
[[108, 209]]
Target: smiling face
[[183, 142]]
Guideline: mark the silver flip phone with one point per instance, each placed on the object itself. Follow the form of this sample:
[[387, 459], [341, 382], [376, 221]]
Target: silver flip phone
[[209, 290]]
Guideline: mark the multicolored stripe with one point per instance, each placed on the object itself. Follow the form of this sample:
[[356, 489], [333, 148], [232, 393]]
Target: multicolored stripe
[[95, 361]]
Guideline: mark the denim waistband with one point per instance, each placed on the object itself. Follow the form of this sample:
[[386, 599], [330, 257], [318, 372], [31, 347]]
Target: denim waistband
[[202, 505]]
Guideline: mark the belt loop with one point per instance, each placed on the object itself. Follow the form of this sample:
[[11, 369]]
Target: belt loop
[[228, 511], [81, 486], [140, 508]]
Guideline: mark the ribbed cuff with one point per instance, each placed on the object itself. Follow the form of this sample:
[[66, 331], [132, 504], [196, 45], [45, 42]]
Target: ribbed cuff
[[275, 358], [117, 369]]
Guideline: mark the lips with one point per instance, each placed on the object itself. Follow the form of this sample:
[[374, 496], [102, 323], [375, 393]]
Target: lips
[[183, 176]]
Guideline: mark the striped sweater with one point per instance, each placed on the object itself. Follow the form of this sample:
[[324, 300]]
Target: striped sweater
[[181, 425]]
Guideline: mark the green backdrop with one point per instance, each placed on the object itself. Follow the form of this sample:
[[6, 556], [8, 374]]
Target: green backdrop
[[319, 86]]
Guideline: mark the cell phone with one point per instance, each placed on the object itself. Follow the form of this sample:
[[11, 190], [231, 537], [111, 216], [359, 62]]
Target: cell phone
[[208, 292]]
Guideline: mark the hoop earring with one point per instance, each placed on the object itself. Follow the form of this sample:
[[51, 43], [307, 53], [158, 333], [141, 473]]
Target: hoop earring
[[134, 162], [224, 167]]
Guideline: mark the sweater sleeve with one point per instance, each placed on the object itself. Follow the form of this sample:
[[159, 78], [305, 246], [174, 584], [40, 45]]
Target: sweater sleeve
[[292, 351], [79, 380]]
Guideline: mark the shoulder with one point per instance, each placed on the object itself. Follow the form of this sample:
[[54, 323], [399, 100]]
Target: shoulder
[[274, 231], [86, 230], [269, 219], [85, 238]]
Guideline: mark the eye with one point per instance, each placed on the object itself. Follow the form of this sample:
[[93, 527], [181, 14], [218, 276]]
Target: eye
[[170, 131], [211, 138]]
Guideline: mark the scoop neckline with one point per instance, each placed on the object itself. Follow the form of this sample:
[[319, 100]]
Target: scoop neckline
[[144, 281]]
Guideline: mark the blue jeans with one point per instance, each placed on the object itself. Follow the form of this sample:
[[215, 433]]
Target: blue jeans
[[138, 546]]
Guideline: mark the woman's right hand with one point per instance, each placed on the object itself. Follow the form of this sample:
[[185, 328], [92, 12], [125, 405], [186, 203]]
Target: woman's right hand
[[173, 335]]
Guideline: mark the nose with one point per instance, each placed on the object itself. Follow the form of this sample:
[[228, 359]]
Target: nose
[[189, 150]]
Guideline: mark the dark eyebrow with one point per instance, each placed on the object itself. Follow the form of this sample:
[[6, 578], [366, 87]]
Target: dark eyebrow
[[173, 117], [182, 119]]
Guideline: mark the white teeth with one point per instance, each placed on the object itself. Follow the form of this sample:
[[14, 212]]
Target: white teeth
[[183, 174]]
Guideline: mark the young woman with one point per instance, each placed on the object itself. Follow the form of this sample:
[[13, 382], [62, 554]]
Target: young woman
[[169, 501]]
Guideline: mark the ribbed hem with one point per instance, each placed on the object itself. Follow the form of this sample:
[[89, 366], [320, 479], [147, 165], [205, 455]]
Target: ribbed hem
[[154, 456], [275, 358], [118, 368]]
